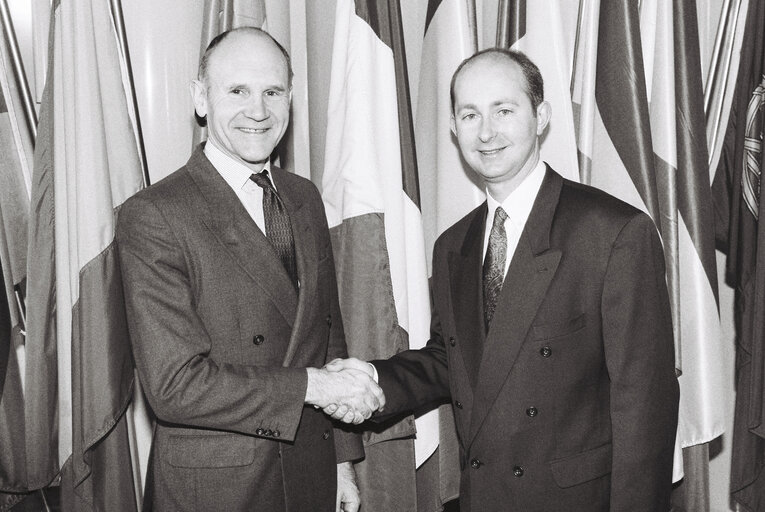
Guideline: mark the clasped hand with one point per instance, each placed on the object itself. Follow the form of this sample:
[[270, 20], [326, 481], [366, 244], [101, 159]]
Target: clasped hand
[[345, 390]]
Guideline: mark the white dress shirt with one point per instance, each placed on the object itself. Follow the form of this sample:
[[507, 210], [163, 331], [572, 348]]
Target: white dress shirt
[[237, 175], [518, 207]]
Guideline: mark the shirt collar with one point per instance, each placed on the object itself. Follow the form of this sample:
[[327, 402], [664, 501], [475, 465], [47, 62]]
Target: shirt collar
[[520, 201], [236, 174]]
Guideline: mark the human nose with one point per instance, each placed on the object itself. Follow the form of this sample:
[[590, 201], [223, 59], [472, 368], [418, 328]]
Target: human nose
[[486, 131], [256, 108]]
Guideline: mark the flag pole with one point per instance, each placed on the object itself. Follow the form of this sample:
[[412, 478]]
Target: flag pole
[[119, 26], [18, 68]]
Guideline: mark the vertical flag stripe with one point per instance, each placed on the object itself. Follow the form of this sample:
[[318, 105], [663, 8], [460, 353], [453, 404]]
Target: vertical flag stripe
[[694, 194], [384, 18], [621, 96], [511, 22]]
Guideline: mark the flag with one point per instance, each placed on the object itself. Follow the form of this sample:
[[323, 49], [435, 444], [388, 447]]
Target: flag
[[536, 29], [614, 127], [16, 142], [737, 188], [79, 366], [449, 188], [370, 191]]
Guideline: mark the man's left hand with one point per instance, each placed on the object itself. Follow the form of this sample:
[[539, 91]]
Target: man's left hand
[[348, 496]]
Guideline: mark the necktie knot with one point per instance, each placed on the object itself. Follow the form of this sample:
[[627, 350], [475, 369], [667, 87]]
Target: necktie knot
[[261, 180], [500, 215]]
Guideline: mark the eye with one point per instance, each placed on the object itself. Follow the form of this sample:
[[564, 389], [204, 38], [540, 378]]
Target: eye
[[504, 112], [469, 116], [238, 91]]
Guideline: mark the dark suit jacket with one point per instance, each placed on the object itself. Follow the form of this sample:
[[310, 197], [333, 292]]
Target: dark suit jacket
[[569, 403], [220, 339]]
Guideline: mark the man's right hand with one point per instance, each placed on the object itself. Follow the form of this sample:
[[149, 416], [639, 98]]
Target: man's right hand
[[347, 394]]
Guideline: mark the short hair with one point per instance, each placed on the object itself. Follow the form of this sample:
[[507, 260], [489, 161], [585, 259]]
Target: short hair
[[204, 61], [535, 89]]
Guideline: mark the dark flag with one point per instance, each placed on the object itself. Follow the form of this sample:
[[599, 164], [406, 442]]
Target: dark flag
[[737, 190]]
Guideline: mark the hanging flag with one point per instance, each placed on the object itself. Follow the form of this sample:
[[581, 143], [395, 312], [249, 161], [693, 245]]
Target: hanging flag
[[611, 109], [536, 29], [737, 188], [370, 191], [79, 366], [449, 188], [16, 141]]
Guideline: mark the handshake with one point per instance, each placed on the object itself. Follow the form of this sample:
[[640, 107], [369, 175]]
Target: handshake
[[345, 390]]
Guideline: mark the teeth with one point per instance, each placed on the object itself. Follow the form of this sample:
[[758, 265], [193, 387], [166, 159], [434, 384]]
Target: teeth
[[253, 130]]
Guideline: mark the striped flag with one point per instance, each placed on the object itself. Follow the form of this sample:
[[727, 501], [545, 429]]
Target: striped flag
[[616, 151], [449, 188], [673, 71], [738, 194], [79, 369], [370, 191], [536, 29]]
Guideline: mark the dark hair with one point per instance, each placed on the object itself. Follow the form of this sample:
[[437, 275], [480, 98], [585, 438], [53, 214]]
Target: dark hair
[[534, 84], [205, 60]]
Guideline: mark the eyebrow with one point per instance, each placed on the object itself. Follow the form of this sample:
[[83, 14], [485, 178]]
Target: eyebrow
[[471, 106]]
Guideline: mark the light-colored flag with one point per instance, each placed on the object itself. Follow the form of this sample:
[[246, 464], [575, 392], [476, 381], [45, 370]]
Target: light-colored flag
[[448, 187], [370, 191], [79, 367]]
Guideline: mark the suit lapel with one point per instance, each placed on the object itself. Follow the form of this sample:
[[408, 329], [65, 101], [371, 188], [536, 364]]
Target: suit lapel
[[528, 277], [465, 268], [307, 261], [230, 223]]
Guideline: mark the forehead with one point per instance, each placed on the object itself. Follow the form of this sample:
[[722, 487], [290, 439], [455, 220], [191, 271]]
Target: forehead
[[490, 78], [247, 53]]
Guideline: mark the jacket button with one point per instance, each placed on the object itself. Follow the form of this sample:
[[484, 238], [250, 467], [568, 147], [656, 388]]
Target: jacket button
[[269, 432], [325, 435], [545, 351], [531, 412], [277, 433], [452, 341], [329, 319], [458, 404], [517, 471], [260, 432], [475, 463], [258, 339]]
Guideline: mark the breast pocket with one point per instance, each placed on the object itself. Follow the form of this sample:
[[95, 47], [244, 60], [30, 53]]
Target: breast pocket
[[558, 329]]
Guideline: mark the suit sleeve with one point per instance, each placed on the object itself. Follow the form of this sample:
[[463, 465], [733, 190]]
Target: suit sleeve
[[639, 350], [171, 347]]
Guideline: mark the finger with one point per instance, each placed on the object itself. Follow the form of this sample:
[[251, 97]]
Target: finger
[[335, 365], [358, 418], [340, 413], [349, 417], [330, 409]]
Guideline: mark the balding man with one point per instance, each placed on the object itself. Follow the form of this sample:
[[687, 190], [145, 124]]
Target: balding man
[[551, 331], [232, 305]]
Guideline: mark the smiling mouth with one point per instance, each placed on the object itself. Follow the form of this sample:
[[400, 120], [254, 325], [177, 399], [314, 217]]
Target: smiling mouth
[[490, 152], [253, 130]]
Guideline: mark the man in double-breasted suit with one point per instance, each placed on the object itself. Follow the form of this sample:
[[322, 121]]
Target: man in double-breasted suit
[[232, 305], [551, 331]]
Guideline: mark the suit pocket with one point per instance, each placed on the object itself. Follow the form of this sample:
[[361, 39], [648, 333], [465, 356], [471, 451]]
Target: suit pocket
[[582, 467], [558, 329], [211, 451]]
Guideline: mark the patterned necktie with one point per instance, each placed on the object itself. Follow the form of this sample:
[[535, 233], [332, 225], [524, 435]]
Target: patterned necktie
[[494, 265], [278, 227]]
